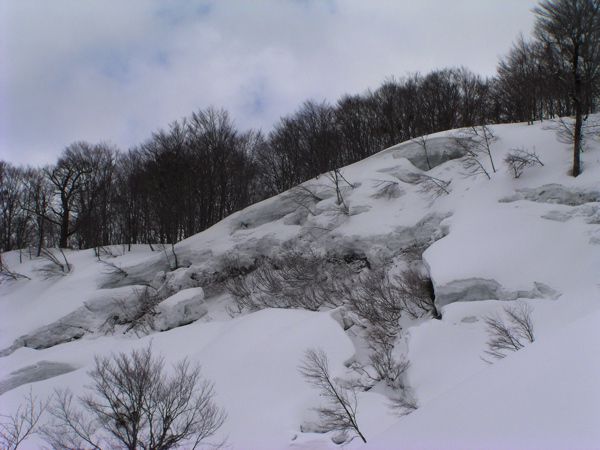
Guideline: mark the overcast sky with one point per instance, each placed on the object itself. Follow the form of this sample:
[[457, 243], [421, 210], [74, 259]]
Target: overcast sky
[[117, 70]]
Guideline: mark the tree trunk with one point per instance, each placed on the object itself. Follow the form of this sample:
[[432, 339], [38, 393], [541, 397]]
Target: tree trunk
[[40, 236], [64, 229], [578, 112], [577, 139]]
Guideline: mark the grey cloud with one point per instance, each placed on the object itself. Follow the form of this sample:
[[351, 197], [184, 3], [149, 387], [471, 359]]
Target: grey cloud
[[116, 71]]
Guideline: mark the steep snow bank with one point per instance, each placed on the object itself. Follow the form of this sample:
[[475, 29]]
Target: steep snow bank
[[544, 396], [535, 239]]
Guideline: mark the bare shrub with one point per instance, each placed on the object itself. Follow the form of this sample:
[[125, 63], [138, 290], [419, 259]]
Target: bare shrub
[[389, 369], [476, 143], [565, 129], [421, 141], [305, 197], [57, 262], [387, 189], [112, 269], [404, 402], [433, 185], [106, 251], [292, 280], [337, 179], [511, 334], [17, 427], [414, 252], [340, 411], [8, 274], [428, 184], [170, 255], [240, 289], [141, 316], [376, 299], [382, 300], [518, 160], [416, 290], [135, 314], [382, 364], [133, 403]]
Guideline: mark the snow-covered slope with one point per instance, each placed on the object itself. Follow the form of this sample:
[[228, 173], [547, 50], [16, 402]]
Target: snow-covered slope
[[535, 239]]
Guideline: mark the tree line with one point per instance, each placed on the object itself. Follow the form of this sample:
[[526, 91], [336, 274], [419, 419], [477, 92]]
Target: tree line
[[200, 169]]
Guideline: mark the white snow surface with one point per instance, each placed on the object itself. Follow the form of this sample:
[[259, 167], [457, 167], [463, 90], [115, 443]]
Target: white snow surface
[[488, 242]]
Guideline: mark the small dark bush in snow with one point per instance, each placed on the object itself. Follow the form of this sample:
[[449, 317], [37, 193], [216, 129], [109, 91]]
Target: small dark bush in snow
[[381, 299], [519, 159], [476, 144], [57, 262], [511, 334], [293, 279]]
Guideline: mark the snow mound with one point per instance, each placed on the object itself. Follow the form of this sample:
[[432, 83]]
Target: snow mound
[[483, 243], [544, 396]]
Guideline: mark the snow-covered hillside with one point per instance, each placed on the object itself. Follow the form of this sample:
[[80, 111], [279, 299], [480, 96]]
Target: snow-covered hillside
[[485, 243]]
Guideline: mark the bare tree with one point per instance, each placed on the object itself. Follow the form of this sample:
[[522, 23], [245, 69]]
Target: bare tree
[[526, 84], [38, 202], [510, 335], [134, 404], [340, 412], [571, 30], [15, 222], [565, 130], [68, 179], [17, 427]]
